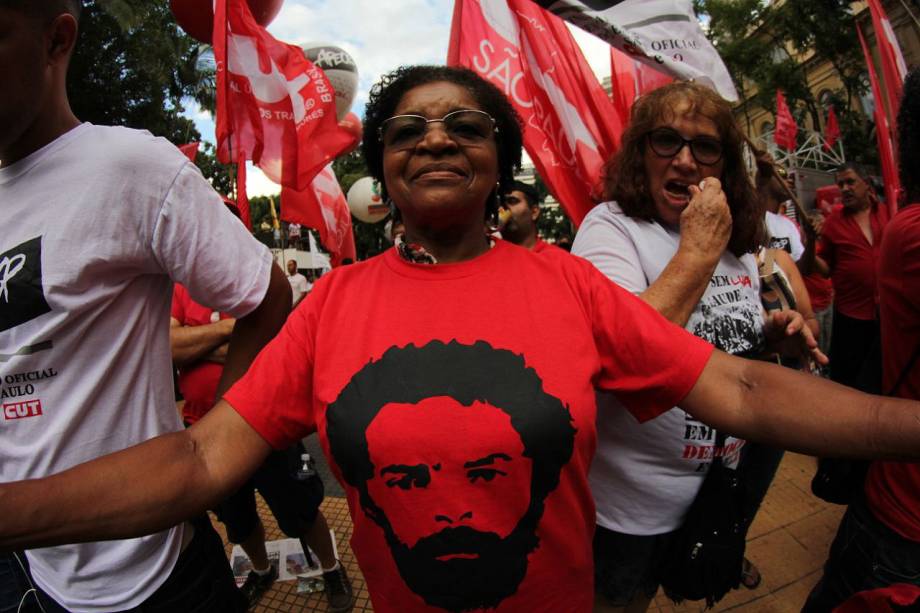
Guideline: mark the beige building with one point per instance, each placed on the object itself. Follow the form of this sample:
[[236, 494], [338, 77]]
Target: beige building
[[823, 79]]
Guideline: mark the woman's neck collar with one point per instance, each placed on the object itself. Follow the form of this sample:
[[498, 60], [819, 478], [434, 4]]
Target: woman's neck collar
[[443, 247]]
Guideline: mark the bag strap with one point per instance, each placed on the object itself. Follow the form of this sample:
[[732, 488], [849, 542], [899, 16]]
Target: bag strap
[[765, 265], [773, 281], [719, 444], [907, 367]]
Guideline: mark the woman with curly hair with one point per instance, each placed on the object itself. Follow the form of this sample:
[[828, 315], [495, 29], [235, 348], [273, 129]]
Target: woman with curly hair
[[679, 228]]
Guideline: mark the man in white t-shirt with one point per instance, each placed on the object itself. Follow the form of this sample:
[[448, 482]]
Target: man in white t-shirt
[[84, 363], [299, 284]]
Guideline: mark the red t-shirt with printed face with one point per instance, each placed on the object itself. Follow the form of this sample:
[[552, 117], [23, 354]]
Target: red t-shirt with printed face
[[853, 260], [198, 381], [893, 488], [456, 403]]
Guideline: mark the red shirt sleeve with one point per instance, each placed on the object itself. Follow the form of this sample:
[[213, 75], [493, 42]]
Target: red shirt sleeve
[[275, 396], [179, 300], [650, 363]]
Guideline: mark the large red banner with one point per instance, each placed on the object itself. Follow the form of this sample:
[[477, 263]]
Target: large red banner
[[882, 133], [570, 125], [274, 106], [894, 70], [629, 79]]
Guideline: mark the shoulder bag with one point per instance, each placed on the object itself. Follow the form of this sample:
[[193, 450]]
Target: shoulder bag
[[708, 549]]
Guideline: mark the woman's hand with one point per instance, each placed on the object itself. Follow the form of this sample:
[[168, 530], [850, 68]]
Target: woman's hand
[[787, 334], [706, 223]]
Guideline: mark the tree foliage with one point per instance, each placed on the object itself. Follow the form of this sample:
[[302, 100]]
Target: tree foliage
[[134, 67], [768, 46]]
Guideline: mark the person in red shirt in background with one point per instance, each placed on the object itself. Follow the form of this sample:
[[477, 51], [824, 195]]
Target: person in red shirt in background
[[849, 250], [518, 218], [198, 339], [878, 542]]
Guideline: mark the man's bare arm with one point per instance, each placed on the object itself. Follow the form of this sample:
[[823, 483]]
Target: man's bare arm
[[778, 406], [137, 491], [189, 344], [253, 331]]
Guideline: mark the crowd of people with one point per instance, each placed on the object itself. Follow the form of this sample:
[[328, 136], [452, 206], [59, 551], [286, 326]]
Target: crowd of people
[[516, 428]]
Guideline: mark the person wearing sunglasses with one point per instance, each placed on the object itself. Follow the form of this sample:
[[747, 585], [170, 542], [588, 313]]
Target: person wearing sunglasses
[[452, 381], [679, 228]]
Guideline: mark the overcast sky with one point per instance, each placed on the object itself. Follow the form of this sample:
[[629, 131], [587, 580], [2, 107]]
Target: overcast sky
[[380, 35]]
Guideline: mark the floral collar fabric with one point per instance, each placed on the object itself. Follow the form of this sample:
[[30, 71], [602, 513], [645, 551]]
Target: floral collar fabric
[[415, 253]]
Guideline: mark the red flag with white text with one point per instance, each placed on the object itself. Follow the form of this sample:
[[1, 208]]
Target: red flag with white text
[[886, 151], [274, 106], [784, 135], [831, 129], [894, 69], [629, 79], [570, 126], [322, 206]]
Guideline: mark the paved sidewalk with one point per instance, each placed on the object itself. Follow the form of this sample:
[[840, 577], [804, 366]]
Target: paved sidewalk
[[788, 542]]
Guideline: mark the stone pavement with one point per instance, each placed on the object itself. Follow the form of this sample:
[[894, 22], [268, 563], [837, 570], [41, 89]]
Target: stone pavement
[[788, 542]]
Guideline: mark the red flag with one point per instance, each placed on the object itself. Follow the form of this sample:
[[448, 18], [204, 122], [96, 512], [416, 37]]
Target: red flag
[[570, 125], [274, 106], [786, 128], [629, 79], [831, 129], [882, 133], [322, 206], [894, 70], [190, 151], [242, 199]]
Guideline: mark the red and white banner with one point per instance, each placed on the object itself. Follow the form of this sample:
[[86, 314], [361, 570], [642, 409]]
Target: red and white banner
[[784, 135], [570, 126], [894, 70], [322, 206], [664, 34], [274, 106], [831, 129], [886, 150], [629, 79]]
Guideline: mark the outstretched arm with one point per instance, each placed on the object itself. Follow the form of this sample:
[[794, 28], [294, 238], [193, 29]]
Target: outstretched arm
[[778, 406], [136, 491]]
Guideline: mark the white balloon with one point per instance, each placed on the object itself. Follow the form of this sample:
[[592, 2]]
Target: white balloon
[[341, 71], [364, 201]]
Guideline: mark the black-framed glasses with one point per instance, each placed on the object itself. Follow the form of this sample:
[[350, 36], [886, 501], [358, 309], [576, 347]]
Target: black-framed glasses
[[465, 127], [667, 142]]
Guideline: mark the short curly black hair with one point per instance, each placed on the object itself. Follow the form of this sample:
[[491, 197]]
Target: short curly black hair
[[909, 136], [389, 90]]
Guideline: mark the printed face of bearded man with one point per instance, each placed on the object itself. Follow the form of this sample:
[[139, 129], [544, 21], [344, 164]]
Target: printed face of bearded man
[[453, 449]]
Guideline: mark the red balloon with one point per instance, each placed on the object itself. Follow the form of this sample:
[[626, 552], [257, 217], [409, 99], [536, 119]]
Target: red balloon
[[352, 124], [196, 17]]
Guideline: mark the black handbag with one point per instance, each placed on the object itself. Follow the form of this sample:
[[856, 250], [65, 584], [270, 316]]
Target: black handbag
[[840, 480], [707, 551]]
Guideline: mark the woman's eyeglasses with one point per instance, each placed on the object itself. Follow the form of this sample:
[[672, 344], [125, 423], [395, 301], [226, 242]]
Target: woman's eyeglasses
[[667, 143], [465, 127]]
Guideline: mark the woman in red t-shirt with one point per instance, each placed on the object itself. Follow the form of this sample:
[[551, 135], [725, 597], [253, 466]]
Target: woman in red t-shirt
[[452, 382]]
